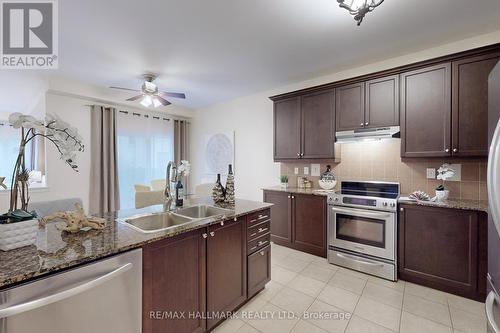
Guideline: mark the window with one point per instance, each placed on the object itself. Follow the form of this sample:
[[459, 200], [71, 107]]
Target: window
[[145, 146], [9, 149]]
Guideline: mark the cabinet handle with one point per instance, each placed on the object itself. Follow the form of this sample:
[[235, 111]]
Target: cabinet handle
[[293, 197], [262, 253], [261, 243], [212, 233], [366, 124], [401, 209], [205, 235], [221, 223], [362, 124], [289, 197], [447, 150], [301, 154], [298, 154], [455, 150], [235, 219], [262, 229]]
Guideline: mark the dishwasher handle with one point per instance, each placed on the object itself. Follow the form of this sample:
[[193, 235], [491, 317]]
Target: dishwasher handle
[[490, 302], [43, 301]]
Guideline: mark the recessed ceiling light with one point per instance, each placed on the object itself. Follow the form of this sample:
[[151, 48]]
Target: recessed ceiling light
[[359, 8]]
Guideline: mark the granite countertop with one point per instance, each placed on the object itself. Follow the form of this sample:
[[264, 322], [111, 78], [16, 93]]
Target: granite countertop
[[55, 250], [312, 191], [477, 205]]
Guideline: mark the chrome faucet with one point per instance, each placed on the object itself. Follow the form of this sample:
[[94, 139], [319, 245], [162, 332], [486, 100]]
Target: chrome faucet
[[171, 176]]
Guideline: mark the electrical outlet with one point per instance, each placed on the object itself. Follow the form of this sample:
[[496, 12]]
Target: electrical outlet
[[296, 170], [431, 173], [315, 170], [306, 170]]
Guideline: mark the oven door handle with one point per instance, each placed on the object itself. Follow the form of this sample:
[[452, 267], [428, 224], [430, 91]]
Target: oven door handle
[[356, 259], [357, 212]]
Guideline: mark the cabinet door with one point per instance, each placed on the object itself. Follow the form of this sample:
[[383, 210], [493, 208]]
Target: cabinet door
[[426, 112], [438, 248], [318, 129], [309, 223], [287, 129], [470, 105], [174, 281], [281, 225], [226, 268], [382, 102], [259, 270], [350, 106]]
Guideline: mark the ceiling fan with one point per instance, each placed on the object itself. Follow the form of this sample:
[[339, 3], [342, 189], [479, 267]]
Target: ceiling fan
[[150, 95]]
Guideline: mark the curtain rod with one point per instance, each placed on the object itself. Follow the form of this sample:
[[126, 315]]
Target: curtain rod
[[157, 117]]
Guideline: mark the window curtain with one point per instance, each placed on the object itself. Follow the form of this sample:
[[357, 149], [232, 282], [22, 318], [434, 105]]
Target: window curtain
[[145, 146], [181, 144], [104, 184]]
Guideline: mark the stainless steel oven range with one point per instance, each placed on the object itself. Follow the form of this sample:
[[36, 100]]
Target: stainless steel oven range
[[362, 227]]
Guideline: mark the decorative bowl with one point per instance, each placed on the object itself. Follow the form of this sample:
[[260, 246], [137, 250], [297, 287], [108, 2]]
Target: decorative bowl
[[327, 184]]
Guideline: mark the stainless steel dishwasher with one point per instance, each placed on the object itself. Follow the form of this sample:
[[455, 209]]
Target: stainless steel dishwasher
[[103, 296]]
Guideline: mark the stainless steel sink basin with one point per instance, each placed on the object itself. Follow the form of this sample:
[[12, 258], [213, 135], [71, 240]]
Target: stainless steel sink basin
[[151, 223], [202, 211]]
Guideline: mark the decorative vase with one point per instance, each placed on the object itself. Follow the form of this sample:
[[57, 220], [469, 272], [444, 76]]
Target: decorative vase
[[18, 234], [218, 194], [284, 185], [442, 195], [327, 180], [230, 186]]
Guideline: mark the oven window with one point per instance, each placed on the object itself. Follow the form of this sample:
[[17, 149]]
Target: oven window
[[362, 230]]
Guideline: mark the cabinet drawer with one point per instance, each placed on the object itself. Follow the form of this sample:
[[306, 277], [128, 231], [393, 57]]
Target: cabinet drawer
[[259, 270], [258, 217], [259, 243], [258, 230]]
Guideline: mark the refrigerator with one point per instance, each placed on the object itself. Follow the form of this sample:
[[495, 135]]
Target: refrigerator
[[492, 305]]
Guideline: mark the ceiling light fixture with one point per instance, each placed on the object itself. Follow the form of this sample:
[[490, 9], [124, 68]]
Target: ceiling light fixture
[[359, 8], [146, 101]]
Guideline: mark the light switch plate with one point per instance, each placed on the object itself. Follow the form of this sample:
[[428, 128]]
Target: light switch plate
[[306, 170], [315, 170], [296, 170], [431, 173]]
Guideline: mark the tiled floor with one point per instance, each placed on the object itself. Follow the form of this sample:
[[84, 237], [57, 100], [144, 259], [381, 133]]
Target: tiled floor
[[304, 287]]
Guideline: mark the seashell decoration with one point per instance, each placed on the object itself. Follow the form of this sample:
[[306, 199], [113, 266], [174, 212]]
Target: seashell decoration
[[420, 195]]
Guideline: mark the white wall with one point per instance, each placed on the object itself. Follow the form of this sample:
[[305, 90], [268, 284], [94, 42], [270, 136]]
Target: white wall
[[251, 118]]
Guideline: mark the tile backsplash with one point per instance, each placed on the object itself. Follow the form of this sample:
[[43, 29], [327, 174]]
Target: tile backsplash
[[380, 160]]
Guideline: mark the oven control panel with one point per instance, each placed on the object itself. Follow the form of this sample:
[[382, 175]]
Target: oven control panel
[[362, 202]]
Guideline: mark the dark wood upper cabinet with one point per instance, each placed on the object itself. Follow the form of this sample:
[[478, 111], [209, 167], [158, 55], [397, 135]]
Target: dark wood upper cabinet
[[382, 102], [426, 112], [318, 125], [309, 223], [287, 123], [350, 106], [174, 279], [226, 268], [470, 105], [281, 223], [443, 248]]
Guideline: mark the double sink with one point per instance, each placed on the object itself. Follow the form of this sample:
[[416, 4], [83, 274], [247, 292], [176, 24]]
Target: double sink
[[155, 222]]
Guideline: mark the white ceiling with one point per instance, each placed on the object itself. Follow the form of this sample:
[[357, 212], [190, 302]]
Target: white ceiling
[[220, 49]]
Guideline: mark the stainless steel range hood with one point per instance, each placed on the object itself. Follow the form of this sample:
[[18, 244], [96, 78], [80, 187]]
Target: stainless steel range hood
[[368, 134]]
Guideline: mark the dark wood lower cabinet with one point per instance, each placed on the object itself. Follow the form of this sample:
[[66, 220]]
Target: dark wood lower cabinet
[[174, 282], [226, 268], [309, 223], [259, 270], [443, 249], [298, 221]]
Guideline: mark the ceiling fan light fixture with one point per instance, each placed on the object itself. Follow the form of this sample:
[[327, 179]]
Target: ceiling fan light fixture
[[147, 101], [156, 102], [359, 8]]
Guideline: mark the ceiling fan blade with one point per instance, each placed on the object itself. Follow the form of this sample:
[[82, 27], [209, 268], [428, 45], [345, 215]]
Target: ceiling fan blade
[[135, 98], [172, 94], [163, 101], [125, 89]]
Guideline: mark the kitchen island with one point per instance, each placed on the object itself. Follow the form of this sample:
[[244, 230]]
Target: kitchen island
[[55, 250]]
